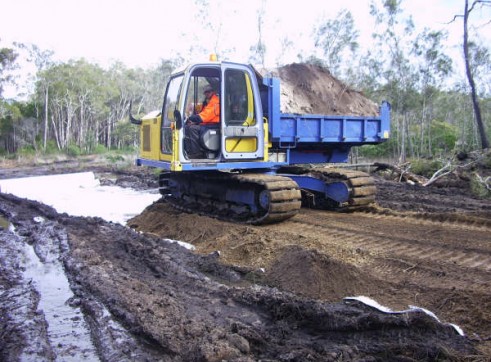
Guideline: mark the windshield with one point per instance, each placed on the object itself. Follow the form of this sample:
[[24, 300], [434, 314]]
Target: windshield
[[170, 105], [171, 99]]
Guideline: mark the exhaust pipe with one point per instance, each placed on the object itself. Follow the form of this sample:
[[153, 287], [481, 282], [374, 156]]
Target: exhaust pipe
[[133, 119]]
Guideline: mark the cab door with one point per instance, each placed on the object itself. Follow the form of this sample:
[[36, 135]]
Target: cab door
[[242, 124]]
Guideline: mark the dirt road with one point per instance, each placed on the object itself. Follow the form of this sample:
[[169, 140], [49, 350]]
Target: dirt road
[[270, 293]]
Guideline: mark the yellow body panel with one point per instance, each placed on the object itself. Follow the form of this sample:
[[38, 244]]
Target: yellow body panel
[[175, 163], [150, 137], [241, 144], [150, 142], [250, 104], [267, 143]]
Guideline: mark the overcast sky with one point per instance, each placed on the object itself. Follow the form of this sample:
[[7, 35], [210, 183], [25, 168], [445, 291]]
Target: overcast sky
[[140, 32]]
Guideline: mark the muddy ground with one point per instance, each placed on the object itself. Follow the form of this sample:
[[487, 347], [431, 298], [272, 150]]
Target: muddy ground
[[250, 293]]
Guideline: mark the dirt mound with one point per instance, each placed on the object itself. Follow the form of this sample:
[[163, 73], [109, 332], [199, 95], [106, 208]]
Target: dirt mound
[[311, 89], [287, 265], [310, 273]]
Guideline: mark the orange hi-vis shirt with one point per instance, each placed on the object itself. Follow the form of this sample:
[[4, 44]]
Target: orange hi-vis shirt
[[211, 113]]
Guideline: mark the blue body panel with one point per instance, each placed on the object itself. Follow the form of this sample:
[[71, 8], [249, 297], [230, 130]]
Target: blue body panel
[[337, 191], [300, 131], [334, 155], [207, 166]]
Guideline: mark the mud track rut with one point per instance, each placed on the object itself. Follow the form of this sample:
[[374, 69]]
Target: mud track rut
[[429, 249], [385, 239]]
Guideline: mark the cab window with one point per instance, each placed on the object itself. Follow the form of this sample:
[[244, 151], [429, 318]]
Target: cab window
[[239, 99], [171, 99], [200, 78], [170, 105]]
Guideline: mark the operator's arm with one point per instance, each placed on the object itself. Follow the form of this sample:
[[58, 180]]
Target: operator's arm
[[211, 113]]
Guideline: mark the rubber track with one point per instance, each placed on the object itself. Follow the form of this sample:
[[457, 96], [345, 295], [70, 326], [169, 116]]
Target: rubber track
[[362, 189], [362, 186], [283, 195]]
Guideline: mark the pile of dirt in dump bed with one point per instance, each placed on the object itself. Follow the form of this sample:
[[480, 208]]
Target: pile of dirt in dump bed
[[180, 306], [311, 89]]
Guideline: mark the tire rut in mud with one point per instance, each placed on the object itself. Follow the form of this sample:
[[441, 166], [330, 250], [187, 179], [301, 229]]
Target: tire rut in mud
[[417, 239]]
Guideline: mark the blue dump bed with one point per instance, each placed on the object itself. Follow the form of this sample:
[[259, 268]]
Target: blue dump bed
[[300, 131]]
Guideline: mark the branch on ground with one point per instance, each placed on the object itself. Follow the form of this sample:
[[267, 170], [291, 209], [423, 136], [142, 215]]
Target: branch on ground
[[445, 170], [485, 181], [402, 171]]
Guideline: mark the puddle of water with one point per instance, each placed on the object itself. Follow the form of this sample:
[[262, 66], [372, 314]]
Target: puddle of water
[[67, 331], [80, 194]]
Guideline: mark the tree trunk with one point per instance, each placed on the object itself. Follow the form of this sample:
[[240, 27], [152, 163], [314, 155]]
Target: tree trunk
[[470, 78], [45, 140], [56, 133]]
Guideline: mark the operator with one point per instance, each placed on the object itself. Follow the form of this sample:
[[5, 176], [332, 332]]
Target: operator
[[209, 115]]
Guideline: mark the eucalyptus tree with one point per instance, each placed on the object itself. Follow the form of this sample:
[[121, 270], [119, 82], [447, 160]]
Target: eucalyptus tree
[[144, 88], [468, 8], [209, 16], [42, 59], [8, 57], [434, 67], [76, 91], [338, 41], [394, 75], [258, 50]]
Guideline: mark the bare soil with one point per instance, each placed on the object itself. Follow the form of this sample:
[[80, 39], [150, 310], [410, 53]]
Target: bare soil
[[271, 293], [428, 247], [311, 89]]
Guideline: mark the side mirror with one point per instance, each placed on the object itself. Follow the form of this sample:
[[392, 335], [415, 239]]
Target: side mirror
[[178, 119], [133, 119]]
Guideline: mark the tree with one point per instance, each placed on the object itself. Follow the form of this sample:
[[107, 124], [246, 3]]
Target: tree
[[286, 45], [18, 126], [7, 62], [88, 105], [42, 59], [468, 69], [434, 66], [258, 50], [396, 77], [336, 36]]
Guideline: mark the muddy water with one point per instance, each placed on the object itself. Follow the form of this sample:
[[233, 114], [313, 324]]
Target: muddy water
[[80, 195], [65, 322]]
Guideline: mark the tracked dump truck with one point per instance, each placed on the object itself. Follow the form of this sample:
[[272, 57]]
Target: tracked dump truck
[[257, 165]]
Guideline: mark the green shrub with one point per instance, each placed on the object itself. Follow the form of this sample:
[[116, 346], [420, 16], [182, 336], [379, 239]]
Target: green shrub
[[486, 160], [478, 188], [444, 137], [425, 167], [99, 149], [114, 158], [382, 150], [73, 150], [26, 151], [51, 148]]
